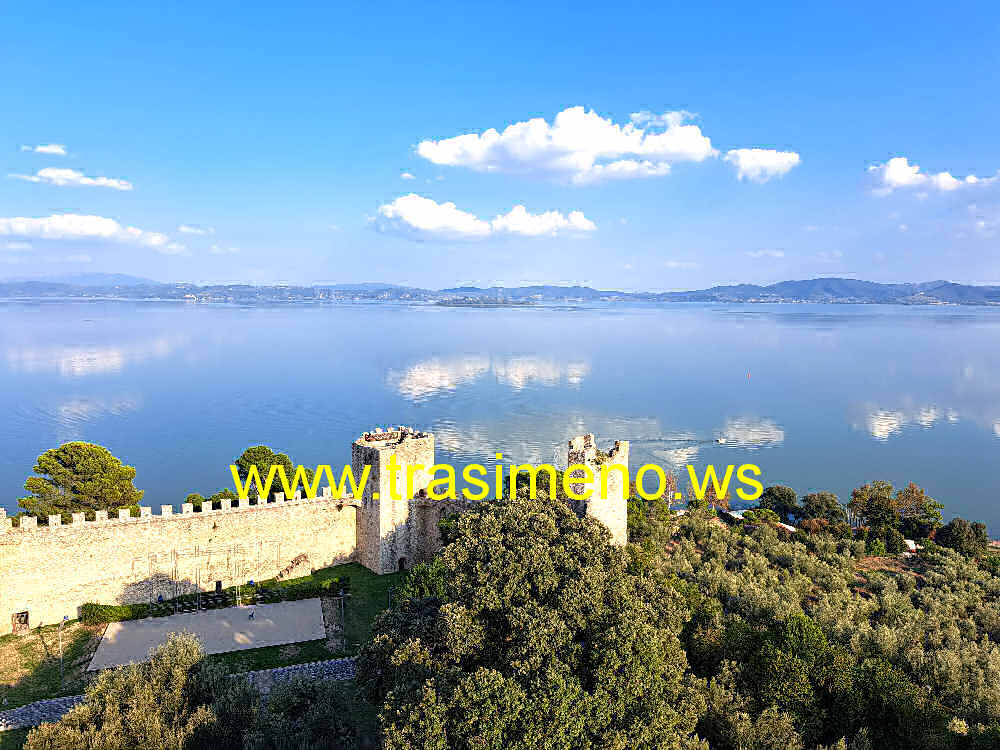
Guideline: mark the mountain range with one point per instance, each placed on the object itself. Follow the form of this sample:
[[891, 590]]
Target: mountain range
[[837, 290]]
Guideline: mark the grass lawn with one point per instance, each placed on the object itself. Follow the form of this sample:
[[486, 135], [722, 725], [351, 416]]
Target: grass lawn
[[13, 740], [29, 664], [369, 596], [269, 657]]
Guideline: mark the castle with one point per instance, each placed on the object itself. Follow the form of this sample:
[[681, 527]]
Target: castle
[[47, 572]]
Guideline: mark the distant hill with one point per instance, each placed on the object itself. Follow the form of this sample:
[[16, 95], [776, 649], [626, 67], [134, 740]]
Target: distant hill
[[86, 279], [844, 290], [847, 291]]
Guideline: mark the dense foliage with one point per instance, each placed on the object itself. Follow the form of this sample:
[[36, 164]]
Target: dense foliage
[[79, 477], [175, 701], [802, 639], [527, 632]]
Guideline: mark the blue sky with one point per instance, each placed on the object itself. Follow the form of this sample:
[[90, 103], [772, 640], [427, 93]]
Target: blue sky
[[696, 145]]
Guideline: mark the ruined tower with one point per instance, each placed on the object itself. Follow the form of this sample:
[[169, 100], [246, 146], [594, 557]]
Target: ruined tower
[[610, 507], [388, 528]]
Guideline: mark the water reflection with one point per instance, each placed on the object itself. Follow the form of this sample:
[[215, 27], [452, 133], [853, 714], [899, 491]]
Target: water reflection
[[437, 376], [79, 361]]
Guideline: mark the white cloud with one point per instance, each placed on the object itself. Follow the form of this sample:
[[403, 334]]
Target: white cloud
[[17, 246], [70, 177], [422, 218], [766, 253], [761, 164], [680, 264], [898, 173], [83, 227], [192, 229], [578, 146], [407, 176], [54, 149], [216, 250]]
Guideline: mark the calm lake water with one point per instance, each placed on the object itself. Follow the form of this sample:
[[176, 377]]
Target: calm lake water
[[819, 396]]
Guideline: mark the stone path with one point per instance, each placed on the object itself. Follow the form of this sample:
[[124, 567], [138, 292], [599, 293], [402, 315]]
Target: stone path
[[53, 709]]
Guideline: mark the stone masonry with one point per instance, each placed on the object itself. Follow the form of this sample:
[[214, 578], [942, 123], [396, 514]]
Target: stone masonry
[[47, 572], [610, 507]]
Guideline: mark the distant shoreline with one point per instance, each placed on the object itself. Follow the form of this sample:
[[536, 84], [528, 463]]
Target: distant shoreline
[[825, 291]]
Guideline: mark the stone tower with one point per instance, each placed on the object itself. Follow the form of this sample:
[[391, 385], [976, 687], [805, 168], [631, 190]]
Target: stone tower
[[611, 507], [388, 528]]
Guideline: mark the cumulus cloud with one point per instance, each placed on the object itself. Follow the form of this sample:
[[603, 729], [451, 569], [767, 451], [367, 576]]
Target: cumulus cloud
[[766, 253], [407, 176], [192, 229], [83, 227], [422, 218], [761, 164], [578, 146], [216, 250], [71, 177], [898, 173], [54, 149]]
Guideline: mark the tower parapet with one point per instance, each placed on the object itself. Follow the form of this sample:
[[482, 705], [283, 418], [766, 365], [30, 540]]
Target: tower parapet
[[608, 502]]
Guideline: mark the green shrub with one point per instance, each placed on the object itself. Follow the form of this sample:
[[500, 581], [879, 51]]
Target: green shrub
[[95, 614]]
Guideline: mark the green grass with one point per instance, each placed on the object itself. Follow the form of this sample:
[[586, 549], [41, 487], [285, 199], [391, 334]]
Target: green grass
[[369, 596], [13, 739], [270, 657], [29, 664]]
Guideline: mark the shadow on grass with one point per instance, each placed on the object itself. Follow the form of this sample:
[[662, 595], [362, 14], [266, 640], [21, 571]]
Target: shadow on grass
[[30, 663]]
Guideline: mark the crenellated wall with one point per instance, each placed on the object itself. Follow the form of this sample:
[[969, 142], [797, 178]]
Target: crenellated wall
[[49, 571]]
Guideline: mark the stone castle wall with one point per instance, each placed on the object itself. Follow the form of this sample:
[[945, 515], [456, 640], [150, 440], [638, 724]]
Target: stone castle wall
[[49, 571]]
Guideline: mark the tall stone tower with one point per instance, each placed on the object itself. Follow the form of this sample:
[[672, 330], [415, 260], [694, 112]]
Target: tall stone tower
[[610, 507], [388, 528]]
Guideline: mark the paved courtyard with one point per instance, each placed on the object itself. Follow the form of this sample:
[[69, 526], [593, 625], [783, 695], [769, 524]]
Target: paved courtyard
[[219, 630]]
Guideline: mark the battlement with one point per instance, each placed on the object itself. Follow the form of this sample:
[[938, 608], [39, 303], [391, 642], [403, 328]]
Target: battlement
[[583, 450], [380, 438], [124, 517]]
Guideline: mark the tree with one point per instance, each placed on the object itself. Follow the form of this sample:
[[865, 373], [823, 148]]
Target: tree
[[782, 500], [79, 477], [540, 638], [872, 504], [910, 509], [919, 513], [174, 701], [761, 515], [264, 458], [966, 538], [823, 505], [310, 715]]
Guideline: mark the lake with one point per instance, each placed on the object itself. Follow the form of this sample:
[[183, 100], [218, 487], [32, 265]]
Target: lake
[[821, 397]]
